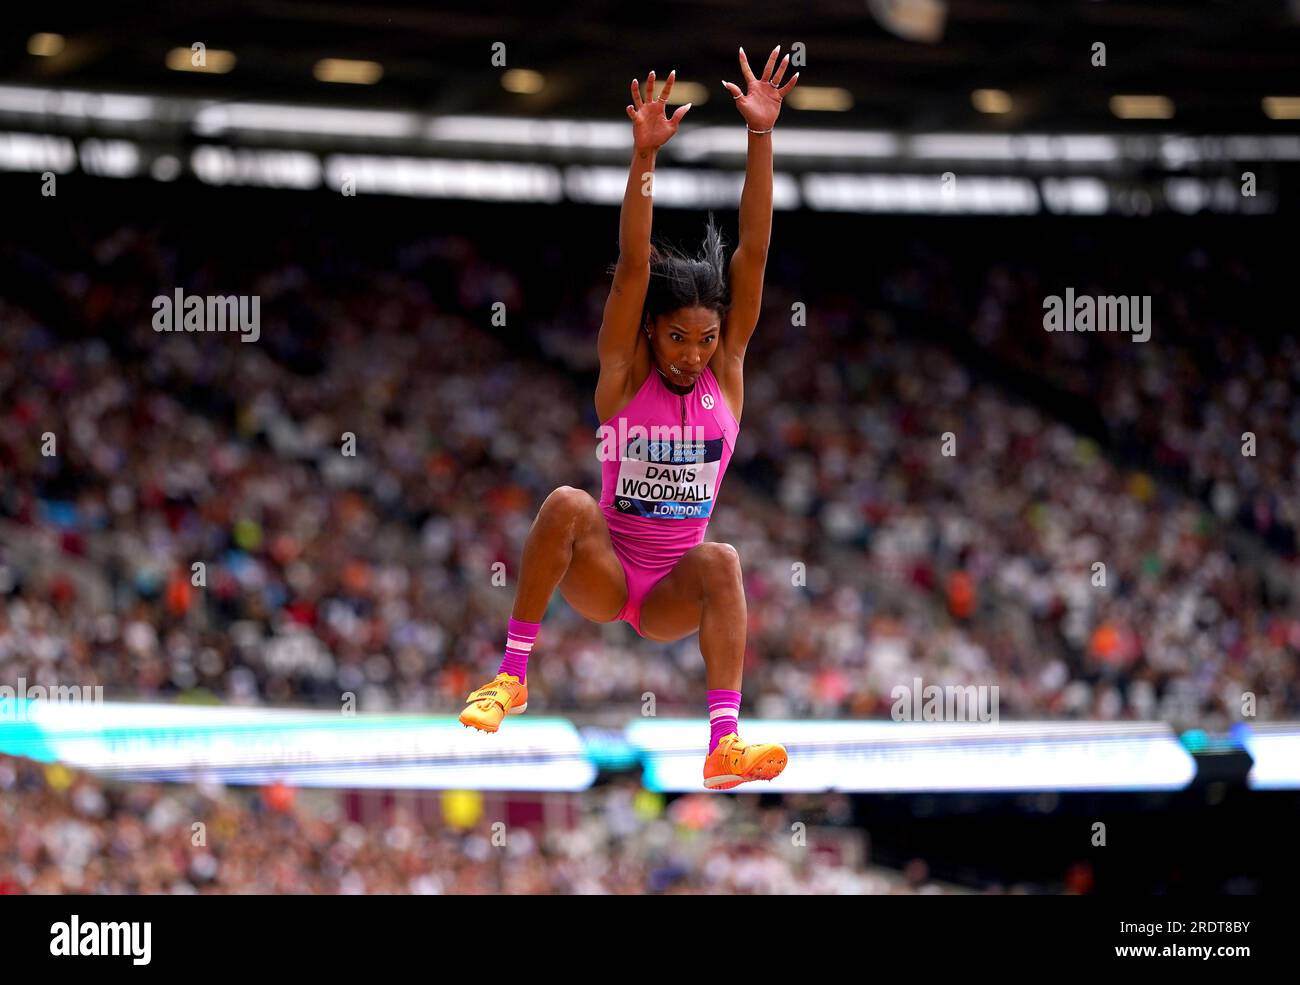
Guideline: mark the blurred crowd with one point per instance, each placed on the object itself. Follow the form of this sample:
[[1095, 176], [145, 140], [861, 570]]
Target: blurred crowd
[[1210, 399], [67, 832], [340, 507]]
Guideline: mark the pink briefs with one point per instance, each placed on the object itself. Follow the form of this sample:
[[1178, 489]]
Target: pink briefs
[[641, 577]]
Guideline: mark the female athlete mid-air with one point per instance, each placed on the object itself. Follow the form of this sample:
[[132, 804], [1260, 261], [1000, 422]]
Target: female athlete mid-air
[[672, 349]]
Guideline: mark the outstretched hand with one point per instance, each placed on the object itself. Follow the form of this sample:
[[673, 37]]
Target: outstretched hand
[[760, 103], [650, 126]]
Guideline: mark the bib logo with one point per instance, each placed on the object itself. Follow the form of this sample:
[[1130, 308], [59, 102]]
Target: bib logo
[[624, 504], [707, 401]]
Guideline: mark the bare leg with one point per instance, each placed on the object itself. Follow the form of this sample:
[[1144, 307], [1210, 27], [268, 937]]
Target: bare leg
[[569, 546], [704, 591]]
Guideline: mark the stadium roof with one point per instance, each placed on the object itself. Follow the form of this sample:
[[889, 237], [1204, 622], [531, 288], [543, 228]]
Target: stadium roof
[[1213, 63]]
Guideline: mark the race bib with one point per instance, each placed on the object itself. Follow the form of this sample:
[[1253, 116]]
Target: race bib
[[675, 480]]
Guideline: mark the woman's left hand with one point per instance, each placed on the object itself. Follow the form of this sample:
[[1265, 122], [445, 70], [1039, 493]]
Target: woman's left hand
[[760, 103]]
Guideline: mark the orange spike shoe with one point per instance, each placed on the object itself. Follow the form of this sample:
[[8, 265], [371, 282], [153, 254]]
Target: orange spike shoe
[[734, 762], [501, 696]]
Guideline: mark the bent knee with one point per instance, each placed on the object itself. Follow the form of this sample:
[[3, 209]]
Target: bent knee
[[567, 501], [567, 510], [719, 565]]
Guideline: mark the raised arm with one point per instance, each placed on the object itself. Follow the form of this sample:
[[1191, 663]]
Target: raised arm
[[617, 343], [759, 105]]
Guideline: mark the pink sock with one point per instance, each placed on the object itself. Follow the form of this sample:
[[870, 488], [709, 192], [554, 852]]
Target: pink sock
[[520, 637], [724, 715]]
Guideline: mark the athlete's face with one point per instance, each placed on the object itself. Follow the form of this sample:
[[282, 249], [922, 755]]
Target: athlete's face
[[682, 342]]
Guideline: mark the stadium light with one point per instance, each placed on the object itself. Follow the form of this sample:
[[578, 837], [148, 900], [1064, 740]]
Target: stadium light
[[991, 100], [1281, 107], [523, 81], [45, 45], [1142, 107], [823, 98], [348, 71], [212, 60], [911, 20], [687, 92]]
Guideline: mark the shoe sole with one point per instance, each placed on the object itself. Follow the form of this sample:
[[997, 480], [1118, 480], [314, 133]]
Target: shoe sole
[[768, 769], [723, 782], [509, 711]]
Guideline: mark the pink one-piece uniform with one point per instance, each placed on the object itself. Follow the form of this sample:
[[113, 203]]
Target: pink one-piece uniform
[[658, 493]]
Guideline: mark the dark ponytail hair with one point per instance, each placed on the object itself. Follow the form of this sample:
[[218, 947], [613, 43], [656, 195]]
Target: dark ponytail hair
[[678, 280]]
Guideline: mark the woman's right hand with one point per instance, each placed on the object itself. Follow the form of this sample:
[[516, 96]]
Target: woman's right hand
[[650, 127]]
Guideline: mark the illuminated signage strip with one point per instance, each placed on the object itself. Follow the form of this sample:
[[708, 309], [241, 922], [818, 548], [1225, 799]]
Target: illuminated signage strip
[[936, 757], [1276, 752], [304, 748], [185, 743]]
